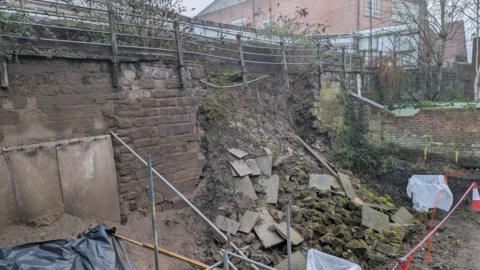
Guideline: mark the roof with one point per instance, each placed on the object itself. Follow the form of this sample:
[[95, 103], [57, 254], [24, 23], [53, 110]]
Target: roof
[[218, 5]]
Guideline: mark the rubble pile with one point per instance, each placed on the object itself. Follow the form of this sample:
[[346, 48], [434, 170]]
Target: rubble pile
[[333, 214]]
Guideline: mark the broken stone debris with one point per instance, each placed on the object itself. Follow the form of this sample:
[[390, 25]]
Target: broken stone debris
[[248, 221], [227, 225], [240, 168], [238, 153], [320, 181], [271, 188], [263, 232], [347, 185], [281, 160], [244, 185], [265, 164], [252, 164], [299, 262], [295, 237], [374, 219], [403, 217]]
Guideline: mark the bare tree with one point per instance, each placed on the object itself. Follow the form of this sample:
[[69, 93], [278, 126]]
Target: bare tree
[[434, 21], [471, 12]]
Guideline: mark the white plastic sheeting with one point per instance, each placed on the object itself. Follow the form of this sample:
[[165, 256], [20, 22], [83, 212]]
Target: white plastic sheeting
[[321, 261], [429, 191]]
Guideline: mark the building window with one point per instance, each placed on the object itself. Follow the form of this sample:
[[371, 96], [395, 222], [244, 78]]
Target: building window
[[376, 8], [238, 22], [403, 10]]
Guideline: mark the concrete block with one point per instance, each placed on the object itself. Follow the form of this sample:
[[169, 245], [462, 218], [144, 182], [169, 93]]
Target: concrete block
[[347, 185], [295, 237], [238, 153], [271, 187], [320, 181], [252, 164], [299, 262], [248, 221], [240, 167], [374, 219], [244, 185], [8, 206], [403, 217], [265, 164], [227, 225], [268, 237]]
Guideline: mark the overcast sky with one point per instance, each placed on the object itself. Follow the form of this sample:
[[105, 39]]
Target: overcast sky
[[197, 5]]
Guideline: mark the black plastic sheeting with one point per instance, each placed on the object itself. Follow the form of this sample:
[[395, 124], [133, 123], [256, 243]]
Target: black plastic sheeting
[[94, 249]]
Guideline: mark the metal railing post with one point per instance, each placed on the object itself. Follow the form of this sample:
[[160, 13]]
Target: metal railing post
[[187, 201], [151, 195], [179, 42], [285, 65], [289, 240], [113, 39], [3, 74], [242, 60], [225, 260]]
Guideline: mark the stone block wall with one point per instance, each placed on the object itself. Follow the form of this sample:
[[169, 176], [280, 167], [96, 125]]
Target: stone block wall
[[52, 99]]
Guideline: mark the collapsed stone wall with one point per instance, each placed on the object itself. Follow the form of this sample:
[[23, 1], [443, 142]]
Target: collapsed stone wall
[[53, 99]]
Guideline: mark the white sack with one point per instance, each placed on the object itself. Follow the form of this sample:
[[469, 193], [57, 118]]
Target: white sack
[[321, 261], [426, 190]]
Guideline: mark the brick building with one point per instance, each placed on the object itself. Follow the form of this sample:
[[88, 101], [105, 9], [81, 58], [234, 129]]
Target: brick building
[[340, 16]]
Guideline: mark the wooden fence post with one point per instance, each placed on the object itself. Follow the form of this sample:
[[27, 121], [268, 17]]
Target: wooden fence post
[[3, 74], [319, 59], [284, 65], [181, 64], [242, 60], [113, 38]]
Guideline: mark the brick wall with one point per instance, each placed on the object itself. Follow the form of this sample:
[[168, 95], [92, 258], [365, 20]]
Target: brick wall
[[52, 99], [444, 131]]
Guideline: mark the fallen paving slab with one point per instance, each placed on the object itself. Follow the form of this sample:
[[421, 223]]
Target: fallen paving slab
[[295, 237], [299, 262], [238, 153], [265, 164], [262, 230], [244, 185], [403, 217], [320, 181], [252, 164], [248, 221], [227, 225], [347, 185], [374, 219], [382, 206], [240, 167], [271, 188]]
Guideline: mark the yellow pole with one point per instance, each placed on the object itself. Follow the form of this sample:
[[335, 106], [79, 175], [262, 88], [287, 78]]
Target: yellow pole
[[425, 152], [456, 156]]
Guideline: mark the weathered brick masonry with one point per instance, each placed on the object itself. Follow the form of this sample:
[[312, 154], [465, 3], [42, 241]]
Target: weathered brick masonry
[[51, 99], [444, 131]]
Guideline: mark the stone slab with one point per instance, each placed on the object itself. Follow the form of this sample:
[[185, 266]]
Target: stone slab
[[248, 221], [38, 193], [347, 185], [88, 179], [320, 181], [265, 164], [244, 185], [299, 262], [271, 188], [8, 206], [262, 230], [227, 225], [403, 217], [238, 153], [240, 167], [252, 164], [374, 219], [295, 237]]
